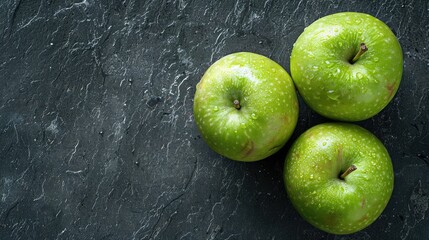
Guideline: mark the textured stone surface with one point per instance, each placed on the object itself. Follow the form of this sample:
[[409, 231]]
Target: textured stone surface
[[98, 141]]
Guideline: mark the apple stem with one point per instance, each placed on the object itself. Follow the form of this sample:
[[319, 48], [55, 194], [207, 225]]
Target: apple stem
[[348, 171], [362, 49], [237, 104]]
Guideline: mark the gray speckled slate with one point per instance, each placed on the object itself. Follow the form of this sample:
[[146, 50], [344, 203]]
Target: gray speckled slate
[[98, 141]]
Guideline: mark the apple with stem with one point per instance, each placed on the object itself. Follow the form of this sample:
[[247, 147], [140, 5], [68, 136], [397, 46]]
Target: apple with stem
[[339, 177], [245, 106], [347, 66]]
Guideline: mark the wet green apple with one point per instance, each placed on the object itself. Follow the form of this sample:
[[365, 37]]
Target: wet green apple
[[339, 177], [347, 66], [245, 106]]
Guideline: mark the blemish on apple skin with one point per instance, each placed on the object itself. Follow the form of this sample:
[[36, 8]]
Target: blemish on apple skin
[[286, 119], [362, 205], [390, 88], [364, 218], [272, 140], [296, 155], [340, 155], [275, 148], [249, 148]]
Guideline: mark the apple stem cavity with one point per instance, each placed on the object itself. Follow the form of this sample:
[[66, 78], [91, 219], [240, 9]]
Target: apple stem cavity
[[348, 171], [236, 104], [362, 49]]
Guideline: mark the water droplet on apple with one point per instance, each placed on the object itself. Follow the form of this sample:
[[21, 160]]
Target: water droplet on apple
[[333, 95], [311, 176], [254, 116], [215, 109], [376, 59], [340, 44], [357, 21], [337, 71], [273, 70], [315, 68], [359, 75]]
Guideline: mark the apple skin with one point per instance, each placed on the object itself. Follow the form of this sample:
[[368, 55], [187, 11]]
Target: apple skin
[[329, 83], [268, 113], [311, 175]]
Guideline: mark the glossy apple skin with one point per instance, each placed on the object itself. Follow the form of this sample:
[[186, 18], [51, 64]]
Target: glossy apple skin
[[329, 83], [311, 174], [268, 113]]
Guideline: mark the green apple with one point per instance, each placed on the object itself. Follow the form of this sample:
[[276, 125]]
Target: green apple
[[339, 177], [245, 106], [347, 66]]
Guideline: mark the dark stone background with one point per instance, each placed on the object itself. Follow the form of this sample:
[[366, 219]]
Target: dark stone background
[[98, 141]]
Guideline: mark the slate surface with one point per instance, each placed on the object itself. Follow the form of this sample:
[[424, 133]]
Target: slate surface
[[98, 141]]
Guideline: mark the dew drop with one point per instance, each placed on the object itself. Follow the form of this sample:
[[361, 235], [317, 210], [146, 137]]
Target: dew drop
[[254, 116], [215, 109], [359, 75], [333, 95], [338, 71], [376, 59]]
